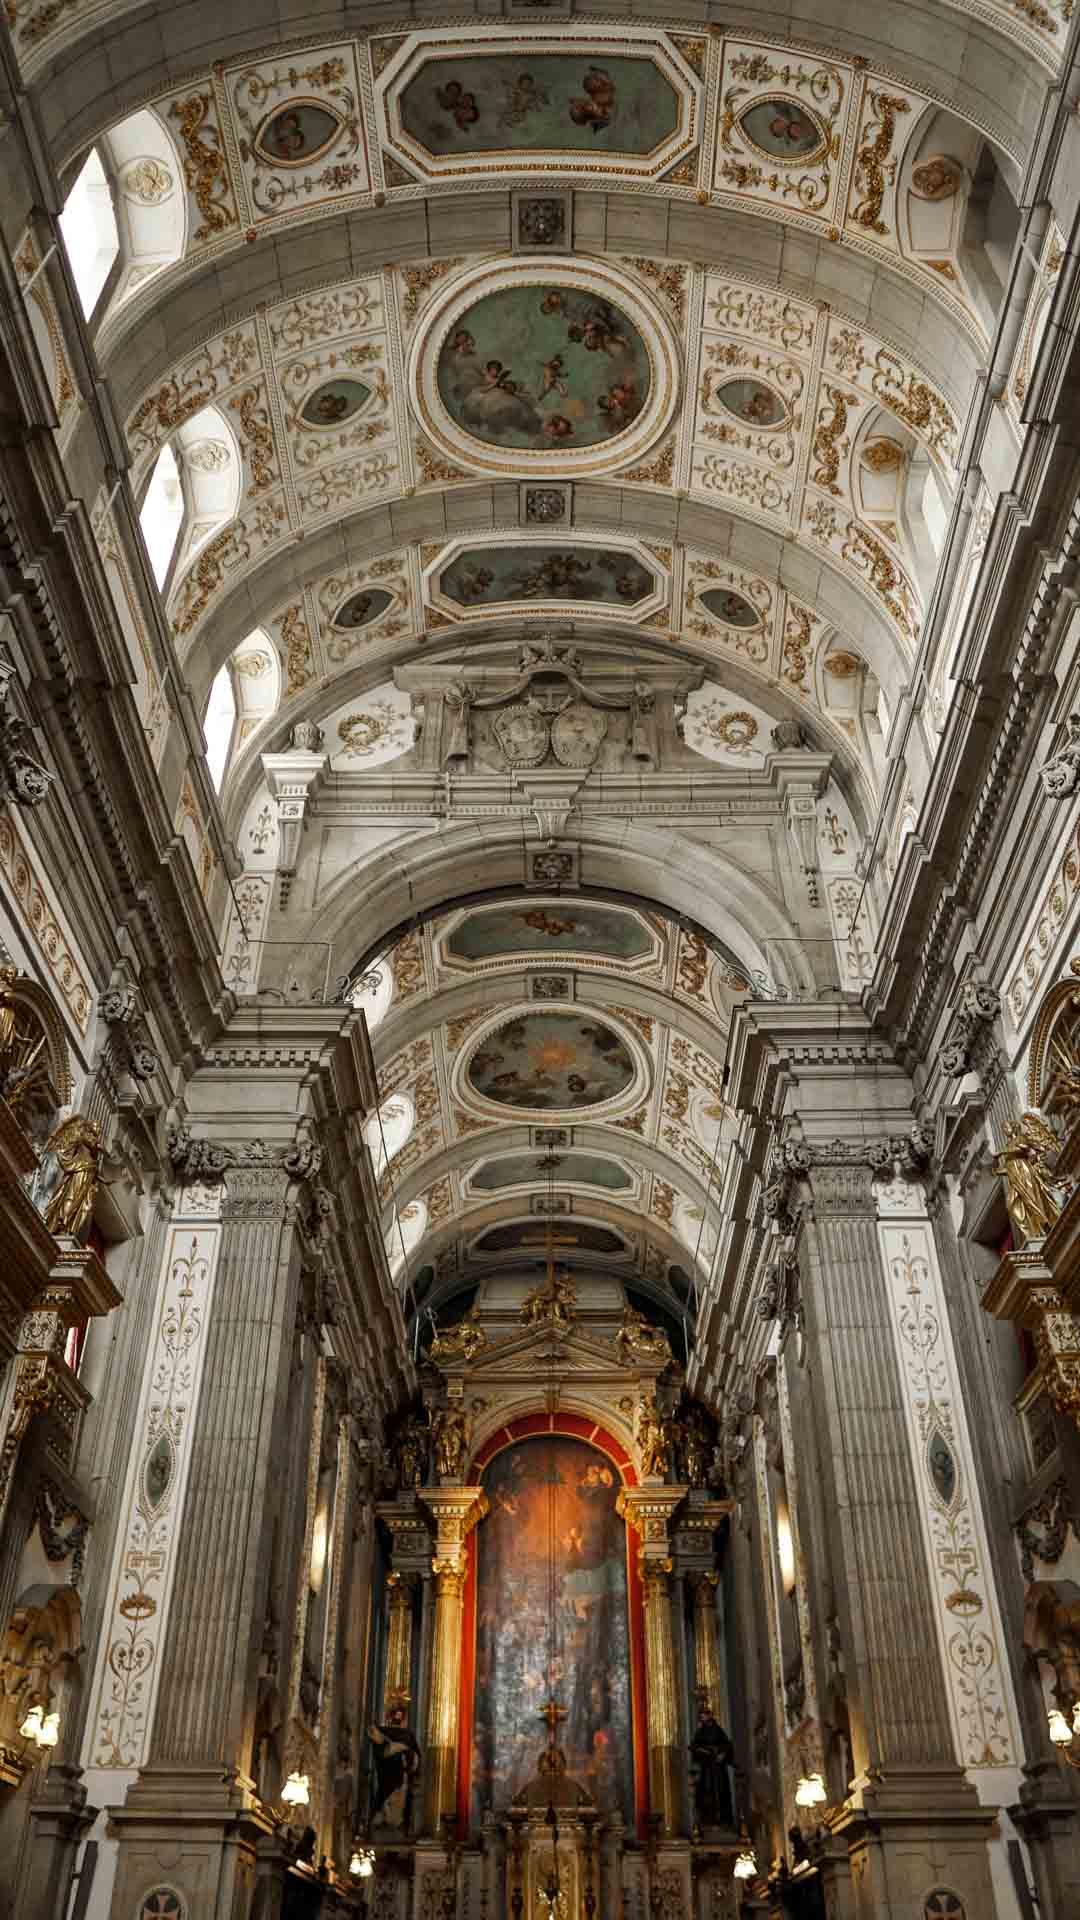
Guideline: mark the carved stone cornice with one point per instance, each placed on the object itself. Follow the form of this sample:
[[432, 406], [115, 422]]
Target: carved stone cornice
[[22, 777], [456, 1511], [410, 1528], [650, 1511]]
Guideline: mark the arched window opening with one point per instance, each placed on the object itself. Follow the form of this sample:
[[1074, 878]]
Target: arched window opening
[[991, 225], [88, 224], [162, 514], [219, 724], [386, 1131]]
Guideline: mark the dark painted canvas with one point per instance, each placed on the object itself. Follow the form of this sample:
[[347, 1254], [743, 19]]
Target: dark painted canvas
[[527, 1237], [297, 134], [549, 926], [551, 1061], [731, 608], [361, 608], [552, 1624], [486, 576], [535, 102], [536, 366]]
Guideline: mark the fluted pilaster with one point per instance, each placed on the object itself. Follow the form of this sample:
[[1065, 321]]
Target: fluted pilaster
[[900, 1709], [206, 1698]]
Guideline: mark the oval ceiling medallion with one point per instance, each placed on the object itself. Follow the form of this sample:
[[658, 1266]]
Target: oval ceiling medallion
[[752, 402], [297, 134], [731, 608], [784, 129], [362, 607], [535, 366], [334, 403], [557, 368], [551, 1062]]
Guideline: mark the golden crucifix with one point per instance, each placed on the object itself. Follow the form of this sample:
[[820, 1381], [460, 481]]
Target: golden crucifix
[[552, 1713]]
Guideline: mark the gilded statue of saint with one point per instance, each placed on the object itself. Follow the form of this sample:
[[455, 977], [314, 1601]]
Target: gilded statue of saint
[[77, 1146], [1029, 1194], [654, 1439], [450, 1434]]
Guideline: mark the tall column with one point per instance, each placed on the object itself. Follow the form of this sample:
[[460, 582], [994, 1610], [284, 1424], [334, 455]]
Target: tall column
[[456, 1511], [397, 1682], [708, 1681], [663, 1703], [445, 1694]]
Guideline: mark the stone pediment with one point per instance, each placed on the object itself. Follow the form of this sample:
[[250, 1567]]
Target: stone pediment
[[535, 1351]]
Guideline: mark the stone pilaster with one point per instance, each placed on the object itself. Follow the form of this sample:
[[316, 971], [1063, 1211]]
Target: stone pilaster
[[912, 1820], [194, 1782]]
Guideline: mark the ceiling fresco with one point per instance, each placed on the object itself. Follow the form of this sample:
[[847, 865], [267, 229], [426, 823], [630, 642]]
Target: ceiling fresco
[[569, 1169], [553, 103], [551, 1062], [492, 576], [550, 926], [534, 366]]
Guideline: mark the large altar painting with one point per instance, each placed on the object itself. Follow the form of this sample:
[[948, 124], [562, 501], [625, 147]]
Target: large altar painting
[[544, 366], [552, 1514]]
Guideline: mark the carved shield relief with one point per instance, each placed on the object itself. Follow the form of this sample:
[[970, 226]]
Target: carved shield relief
[[577, 734], [522, 733]]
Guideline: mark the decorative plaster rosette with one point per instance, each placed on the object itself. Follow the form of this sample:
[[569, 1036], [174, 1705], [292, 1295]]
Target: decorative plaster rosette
[[591, 278]]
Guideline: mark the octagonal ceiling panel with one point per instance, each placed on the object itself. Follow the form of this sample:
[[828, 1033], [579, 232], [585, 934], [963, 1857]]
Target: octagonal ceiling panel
[[549, 928], [450, 106]]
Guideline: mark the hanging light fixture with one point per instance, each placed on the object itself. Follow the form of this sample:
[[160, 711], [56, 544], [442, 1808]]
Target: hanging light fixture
[[745, 1867], [295, 1792], [810, 1791], [50, 1730], [362, 1864], [1060, 1730]]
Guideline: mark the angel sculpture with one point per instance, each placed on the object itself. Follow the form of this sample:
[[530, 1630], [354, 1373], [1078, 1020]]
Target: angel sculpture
[[1029, 1192], [77, 1146], [636, 1336]]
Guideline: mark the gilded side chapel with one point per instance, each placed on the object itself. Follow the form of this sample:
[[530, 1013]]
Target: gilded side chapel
[[540, 961]]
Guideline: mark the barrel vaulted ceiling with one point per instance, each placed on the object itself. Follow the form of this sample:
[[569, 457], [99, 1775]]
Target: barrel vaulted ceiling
[[661, 334]]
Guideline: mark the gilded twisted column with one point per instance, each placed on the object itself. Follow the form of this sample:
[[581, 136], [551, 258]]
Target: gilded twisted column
[[445, 1696], [663, 1702]]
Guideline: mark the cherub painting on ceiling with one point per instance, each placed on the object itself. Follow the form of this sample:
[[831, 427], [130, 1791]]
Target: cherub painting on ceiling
[[530, 366], [488, 102]]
